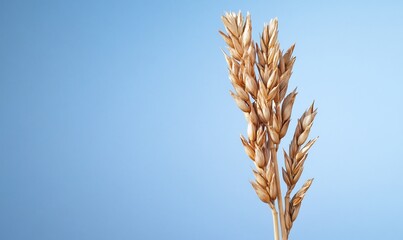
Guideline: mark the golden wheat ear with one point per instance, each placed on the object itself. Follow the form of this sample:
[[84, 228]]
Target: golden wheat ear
[[260, 74]]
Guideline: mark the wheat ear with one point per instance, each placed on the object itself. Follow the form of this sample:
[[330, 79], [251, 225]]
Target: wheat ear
[[260, 74]]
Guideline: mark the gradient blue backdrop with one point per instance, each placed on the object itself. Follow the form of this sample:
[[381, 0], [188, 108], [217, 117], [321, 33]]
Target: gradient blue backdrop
[[116, 122]]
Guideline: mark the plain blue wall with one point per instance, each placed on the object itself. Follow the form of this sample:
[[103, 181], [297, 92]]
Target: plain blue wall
[[116, 122]]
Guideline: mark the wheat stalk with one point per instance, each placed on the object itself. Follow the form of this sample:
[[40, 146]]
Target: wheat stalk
[[260, 74]]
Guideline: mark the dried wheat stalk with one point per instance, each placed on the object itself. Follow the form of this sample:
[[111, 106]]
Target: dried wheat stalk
[[260, 74]]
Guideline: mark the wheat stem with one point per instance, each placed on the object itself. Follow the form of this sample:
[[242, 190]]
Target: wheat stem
[[279, 196], [275, 223]]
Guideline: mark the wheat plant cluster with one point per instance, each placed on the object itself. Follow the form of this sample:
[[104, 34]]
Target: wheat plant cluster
[[260, 74]]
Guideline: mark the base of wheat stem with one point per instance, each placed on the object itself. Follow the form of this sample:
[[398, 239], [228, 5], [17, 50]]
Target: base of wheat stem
[[273, 150], [275, 223]]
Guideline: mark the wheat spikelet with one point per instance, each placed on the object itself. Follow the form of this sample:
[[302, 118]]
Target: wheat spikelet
[[263, 99]]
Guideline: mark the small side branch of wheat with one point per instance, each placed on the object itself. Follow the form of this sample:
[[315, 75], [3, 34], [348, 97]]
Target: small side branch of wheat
[[260, 74]]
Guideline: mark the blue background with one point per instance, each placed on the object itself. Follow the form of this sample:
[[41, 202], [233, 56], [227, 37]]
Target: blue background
[[116, 122]]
